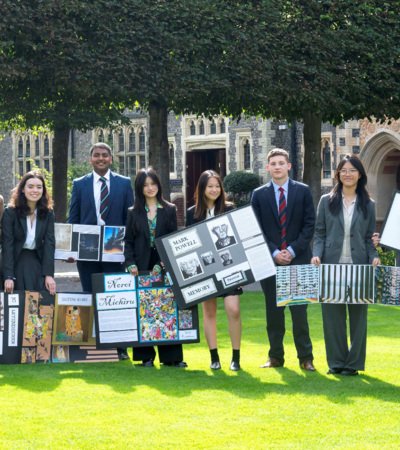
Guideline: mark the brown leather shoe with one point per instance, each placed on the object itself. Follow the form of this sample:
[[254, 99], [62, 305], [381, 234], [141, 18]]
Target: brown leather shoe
[[308, 365], [271, 363]]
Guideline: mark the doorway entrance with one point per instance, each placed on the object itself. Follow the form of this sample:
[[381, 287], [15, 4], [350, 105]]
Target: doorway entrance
[[199, 161]]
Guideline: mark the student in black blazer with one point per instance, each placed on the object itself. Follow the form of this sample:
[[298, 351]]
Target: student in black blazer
[[345, 224], [28, 237], [210, 201], [293, 248], [150, 217]]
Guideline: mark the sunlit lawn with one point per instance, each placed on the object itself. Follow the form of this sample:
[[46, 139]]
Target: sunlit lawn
[[117, 405]]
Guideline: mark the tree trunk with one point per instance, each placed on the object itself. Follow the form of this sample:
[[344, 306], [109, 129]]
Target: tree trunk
[[60, 169], [312, 154], [158, 143]]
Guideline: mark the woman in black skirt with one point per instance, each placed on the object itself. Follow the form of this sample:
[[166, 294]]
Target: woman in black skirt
[[210, 201], [150, 217], [28, 237]]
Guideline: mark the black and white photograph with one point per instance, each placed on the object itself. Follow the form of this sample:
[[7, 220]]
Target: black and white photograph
[[207, 258], [190, 266], [221, 233], [226, 258]]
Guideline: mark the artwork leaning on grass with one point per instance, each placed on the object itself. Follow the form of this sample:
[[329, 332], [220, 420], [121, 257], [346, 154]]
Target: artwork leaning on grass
[[28, 329], [357, 284]]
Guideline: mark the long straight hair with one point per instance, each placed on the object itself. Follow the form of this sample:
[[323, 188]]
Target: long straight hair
[[19, 202], [363, 198], [200, 211], [140, 199]]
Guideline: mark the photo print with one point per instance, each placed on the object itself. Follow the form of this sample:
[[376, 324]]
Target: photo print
[[221, 233], [347, 283], [113, 240], [63, 236], [207, 258], [387, 285], [297, 285], [189, 266], [60, 354], [88, 248], [226, 258]]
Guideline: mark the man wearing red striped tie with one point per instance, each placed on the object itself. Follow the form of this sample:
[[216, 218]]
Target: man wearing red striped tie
[[285, 210]]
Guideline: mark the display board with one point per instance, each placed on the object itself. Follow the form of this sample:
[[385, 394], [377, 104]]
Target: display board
[[390, 236], [140, 311], [89, 242], [337, 283], [28, 327], [216, 256]]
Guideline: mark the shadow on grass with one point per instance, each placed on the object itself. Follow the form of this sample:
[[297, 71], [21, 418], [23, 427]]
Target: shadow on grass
[[124, 377]]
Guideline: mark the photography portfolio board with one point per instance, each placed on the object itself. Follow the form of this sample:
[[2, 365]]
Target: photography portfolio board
[[89, 242], [140, 311], [390, 236], [216, 256], [356, 284]]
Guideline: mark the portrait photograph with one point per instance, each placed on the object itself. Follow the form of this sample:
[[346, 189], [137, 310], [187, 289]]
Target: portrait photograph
[[222, 234], [226, 258], [189, 266], [207, 258]]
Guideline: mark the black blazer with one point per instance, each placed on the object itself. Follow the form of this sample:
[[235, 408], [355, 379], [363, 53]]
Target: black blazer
[[137, 236], [14, 236], [300, 218], [190, 219]]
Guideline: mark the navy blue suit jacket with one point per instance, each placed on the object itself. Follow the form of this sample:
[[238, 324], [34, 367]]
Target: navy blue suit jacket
[[300, 218], [82, 208]]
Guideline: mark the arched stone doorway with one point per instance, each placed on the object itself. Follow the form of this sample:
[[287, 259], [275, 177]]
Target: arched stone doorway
[[381, 159]]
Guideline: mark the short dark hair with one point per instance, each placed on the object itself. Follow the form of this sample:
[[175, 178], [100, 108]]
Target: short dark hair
[[100, 145]]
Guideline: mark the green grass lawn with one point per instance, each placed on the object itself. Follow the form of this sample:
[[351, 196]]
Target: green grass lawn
[[118, 405]]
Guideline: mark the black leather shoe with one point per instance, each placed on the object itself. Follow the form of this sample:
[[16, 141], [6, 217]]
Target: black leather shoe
[[235, 366], [307, 365], [147, 363], [349, 372], [334, 371], [216, 365], [181, 364], [271, 363], [122, 354]]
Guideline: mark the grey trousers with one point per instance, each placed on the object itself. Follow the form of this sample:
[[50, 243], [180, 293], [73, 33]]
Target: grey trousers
[[339, 354]]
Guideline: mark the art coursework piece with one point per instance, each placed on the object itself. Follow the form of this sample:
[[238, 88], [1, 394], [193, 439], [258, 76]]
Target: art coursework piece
[[387, 285], [140, 311], [297, 285], [89, 242], [213, 257]]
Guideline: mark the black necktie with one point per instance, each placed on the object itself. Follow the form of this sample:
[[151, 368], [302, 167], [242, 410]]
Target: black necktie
[[104, 198]]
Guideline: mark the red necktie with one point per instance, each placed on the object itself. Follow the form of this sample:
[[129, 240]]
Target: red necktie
[[282, 217]]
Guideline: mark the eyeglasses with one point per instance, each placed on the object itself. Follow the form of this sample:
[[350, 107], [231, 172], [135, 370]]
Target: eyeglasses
[[348, 171]]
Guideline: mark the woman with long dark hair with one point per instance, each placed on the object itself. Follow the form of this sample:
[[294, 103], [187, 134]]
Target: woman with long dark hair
[[28, 237], [150, 217], [210, 201], [344, 227]]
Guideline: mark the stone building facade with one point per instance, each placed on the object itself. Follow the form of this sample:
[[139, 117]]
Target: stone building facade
[[223, 144]]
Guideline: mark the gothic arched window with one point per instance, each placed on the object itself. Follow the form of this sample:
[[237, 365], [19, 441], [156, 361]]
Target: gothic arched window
[[326, 161], [246, 155], [222, 127], [213, 127], [132, 141], [171, 158], [201, 127], [121, 141], [142, 140], [192, 128]]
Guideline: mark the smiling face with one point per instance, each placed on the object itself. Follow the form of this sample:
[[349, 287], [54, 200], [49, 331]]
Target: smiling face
[[150, 189], [278, 167], [349, 176], [212, 191], [33, 190], [101, 160]]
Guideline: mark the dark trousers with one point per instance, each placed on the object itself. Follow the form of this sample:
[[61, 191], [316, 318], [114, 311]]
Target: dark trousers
[[338, 352], [87, 268], [276, 325]]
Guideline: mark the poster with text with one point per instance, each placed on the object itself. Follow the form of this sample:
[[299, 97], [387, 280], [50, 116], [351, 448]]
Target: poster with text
[[216, 256], [140, 311]]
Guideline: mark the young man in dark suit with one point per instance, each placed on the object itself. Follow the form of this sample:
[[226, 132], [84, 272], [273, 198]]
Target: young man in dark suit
[[286, 214], [85, 208]]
